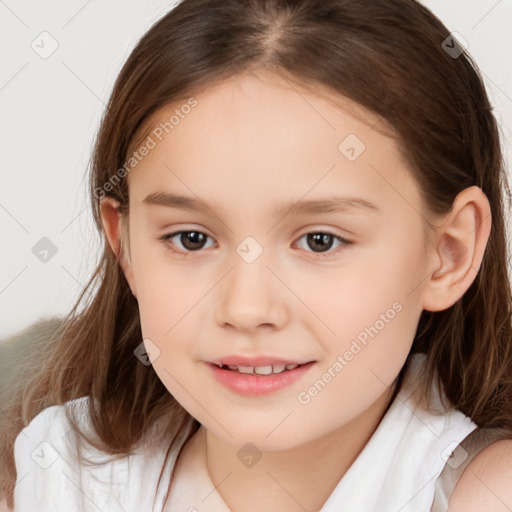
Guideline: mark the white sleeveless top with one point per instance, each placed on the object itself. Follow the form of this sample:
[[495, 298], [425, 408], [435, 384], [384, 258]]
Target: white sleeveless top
[[396, 470]]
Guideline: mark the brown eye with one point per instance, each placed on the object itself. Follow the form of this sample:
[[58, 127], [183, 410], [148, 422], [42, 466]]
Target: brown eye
[[321, 242], [189, 240]]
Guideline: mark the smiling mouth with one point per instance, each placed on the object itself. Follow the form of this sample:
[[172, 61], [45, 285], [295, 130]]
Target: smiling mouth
[[259, 380], [270, 369]]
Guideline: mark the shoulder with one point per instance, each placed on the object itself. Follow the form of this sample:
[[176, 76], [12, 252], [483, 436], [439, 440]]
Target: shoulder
[[485, 483], [50, 427], [57, 470], [45, 456]]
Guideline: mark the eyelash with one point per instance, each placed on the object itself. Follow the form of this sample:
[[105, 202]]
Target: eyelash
[[166, 240]]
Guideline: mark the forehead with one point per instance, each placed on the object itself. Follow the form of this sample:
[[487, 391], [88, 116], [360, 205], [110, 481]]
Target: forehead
[[265, 136]]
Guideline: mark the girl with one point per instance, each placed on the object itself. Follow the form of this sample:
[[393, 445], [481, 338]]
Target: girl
[[303, 300]]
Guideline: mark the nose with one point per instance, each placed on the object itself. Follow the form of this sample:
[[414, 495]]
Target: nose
[[252, 296]]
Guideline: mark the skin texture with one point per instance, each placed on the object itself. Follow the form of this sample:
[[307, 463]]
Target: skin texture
[[485, 483], [252, 144]]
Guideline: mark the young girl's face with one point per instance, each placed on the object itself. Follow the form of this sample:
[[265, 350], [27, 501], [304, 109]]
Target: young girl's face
[[249, 281]]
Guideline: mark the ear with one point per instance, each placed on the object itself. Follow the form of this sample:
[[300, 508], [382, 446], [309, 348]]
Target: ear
[[458, 249], [116, 231]]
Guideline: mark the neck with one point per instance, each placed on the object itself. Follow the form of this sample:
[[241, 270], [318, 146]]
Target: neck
[[297, 479]]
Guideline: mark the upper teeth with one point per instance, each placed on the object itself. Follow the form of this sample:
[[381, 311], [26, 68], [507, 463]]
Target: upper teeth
[[263, 370]]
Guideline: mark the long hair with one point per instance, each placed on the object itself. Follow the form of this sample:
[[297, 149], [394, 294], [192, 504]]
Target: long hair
[[391, 57]]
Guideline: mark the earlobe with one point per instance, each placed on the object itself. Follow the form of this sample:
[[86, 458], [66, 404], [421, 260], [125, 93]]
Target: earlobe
[[115, 232], [459, 249]]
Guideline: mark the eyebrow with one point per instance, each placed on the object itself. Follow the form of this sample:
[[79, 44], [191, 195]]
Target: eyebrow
[[327, 205]]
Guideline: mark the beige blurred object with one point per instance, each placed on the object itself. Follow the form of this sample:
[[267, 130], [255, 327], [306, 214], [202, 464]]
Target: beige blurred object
[[20, 347]]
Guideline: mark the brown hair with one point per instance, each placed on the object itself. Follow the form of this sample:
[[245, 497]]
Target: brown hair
[[386, 55]]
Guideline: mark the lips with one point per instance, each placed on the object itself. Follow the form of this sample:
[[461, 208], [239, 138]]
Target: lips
[[255, 361], [253, 383], [260, 370]]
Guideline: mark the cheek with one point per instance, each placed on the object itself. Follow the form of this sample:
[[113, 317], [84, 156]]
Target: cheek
[[164, 291], [169, 319], [371, 308], [370, 281], [166, 308]]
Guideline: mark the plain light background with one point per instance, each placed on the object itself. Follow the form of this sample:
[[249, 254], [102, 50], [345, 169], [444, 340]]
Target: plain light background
[[51, 109]]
